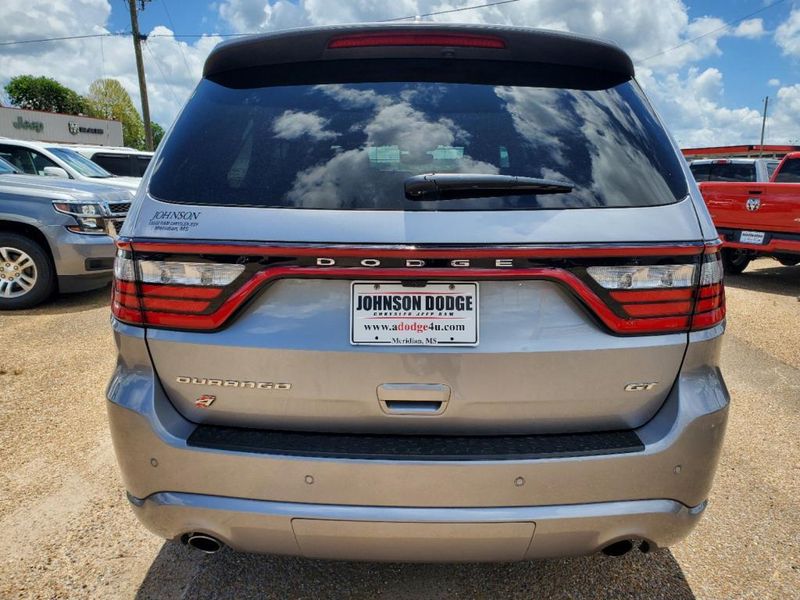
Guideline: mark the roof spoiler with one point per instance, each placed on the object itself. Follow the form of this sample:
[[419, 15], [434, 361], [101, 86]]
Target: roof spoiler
[[450, 41]]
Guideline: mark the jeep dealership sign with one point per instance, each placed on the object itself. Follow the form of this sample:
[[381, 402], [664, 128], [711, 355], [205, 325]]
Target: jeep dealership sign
[[41, 126]]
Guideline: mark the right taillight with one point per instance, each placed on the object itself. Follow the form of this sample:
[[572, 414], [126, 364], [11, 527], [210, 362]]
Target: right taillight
[[709, 308], [649, 298], [664, 298]]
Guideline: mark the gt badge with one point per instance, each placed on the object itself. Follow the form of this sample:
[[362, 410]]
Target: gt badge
[[640, 387], [204, 401]]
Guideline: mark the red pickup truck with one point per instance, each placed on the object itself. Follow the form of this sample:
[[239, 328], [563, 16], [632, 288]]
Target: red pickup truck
[[758, 219]]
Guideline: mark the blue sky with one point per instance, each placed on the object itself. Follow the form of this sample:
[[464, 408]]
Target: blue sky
[[748, 65], [707, 80]]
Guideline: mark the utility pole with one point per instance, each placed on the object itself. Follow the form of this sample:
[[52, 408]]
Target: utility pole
[[137, 48], [764, 124]]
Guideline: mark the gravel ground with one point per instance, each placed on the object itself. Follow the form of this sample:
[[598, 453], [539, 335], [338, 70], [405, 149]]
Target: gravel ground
[[68, 532]]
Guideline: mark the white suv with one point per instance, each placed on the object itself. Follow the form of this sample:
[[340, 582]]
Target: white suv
[[117, 160], [42, 158]]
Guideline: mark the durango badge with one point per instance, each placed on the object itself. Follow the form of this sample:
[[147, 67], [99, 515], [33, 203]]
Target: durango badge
[[235, 383]]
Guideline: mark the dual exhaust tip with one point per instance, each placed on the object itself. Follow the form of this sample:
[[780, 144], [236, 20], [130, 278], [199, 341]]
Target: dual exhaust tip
[[210, 545], [200, 541], [622, 547]]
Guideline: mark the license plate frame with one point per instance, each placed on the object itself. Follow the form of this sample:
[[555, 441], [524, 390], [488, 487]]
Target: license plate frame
[[417, 321], [752, 237]]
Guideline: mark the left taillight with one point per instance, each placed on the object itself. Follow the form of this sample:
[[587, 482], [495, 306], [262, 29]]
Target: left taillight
[[169, 293]]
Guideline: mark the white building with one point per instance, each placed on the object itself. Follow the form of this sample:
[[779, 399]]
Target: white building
[[22, 124]]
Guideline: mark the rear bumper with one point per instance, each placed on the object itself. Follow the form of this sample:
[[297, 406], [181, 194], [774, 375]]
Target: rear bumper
[[416, 534], [790, 244], [344, 508]]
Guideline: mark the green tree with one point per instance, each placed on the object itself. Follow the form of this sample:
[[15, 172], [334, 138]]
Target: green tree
[[158, 134], [43, 93], [107, 99]]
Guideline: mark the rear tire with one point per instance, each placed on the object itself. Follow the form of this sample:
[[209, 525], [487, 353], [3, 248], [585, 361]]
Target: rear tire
[[27, 276], [735, 261]]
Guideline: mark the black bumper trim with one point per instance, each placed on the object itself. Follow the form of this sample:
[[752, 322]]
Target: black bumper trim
[[770, 235], [414, 447], [70, 284], [99, 264]]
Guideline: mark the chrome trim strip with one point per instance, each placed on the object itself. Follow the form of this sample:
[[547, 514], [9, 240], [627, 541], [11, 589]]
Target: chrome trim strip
[[422, 515], [245, 245]]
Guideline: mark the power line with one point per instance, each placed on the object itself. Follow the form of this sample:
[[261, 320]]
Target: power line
[[171, 24], [199, 35], [68, 37], [163, 76], [102, 60], [707, 33], [452, 10], [430, 14]]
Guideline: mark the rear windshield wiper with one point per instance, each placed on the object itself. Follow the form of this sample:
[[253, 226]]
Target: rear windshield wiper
[[449, 186]]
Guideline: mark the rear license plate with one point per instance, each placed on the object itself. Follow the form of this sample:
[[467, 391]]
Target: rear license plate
[[751, 237], [387, 313]]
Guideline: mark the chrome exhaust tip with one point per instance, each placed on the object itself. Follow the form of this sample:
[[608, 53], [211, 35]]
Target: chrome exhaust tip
[[204, 543], [620, 548]]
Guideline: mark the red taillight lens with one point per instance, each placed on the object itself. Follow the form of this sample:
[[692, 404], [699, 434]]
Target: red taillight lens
[[173, 294], [665, 298], [709, 307], [650, 298], [678, 289], [365, 40]]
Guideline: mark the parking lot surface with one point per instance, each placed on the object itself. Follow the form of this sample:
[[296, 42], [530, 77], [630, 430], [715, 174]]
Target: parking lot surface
[[68, 532]]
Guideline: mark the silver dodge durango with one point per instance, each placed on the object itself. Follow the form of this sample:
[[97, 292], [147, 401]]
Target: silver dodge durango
[[418, 293]]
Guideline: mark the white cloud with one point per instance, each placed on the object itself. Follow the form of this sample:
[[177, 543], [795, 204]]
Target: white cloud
[[294, 124], [644, 29], [751, 29], [245, 15], [691, 108], [774, 82], [656, 35], [787, 35], [173, 67], [692, 101], [791, 96], [783, 125]]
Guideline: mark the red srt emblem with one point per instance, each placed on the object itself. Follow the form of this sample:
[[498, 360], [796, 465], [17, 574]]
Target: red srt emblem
[[204, 401]]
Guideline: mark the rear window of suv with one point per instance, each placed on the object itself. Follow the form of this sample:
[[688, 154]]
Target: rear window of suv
[[352, 145], [727, 171]]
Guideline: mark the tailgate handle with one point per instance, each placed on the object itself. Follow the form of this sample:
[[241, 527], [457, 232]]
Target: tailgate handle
[[413, 398]]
